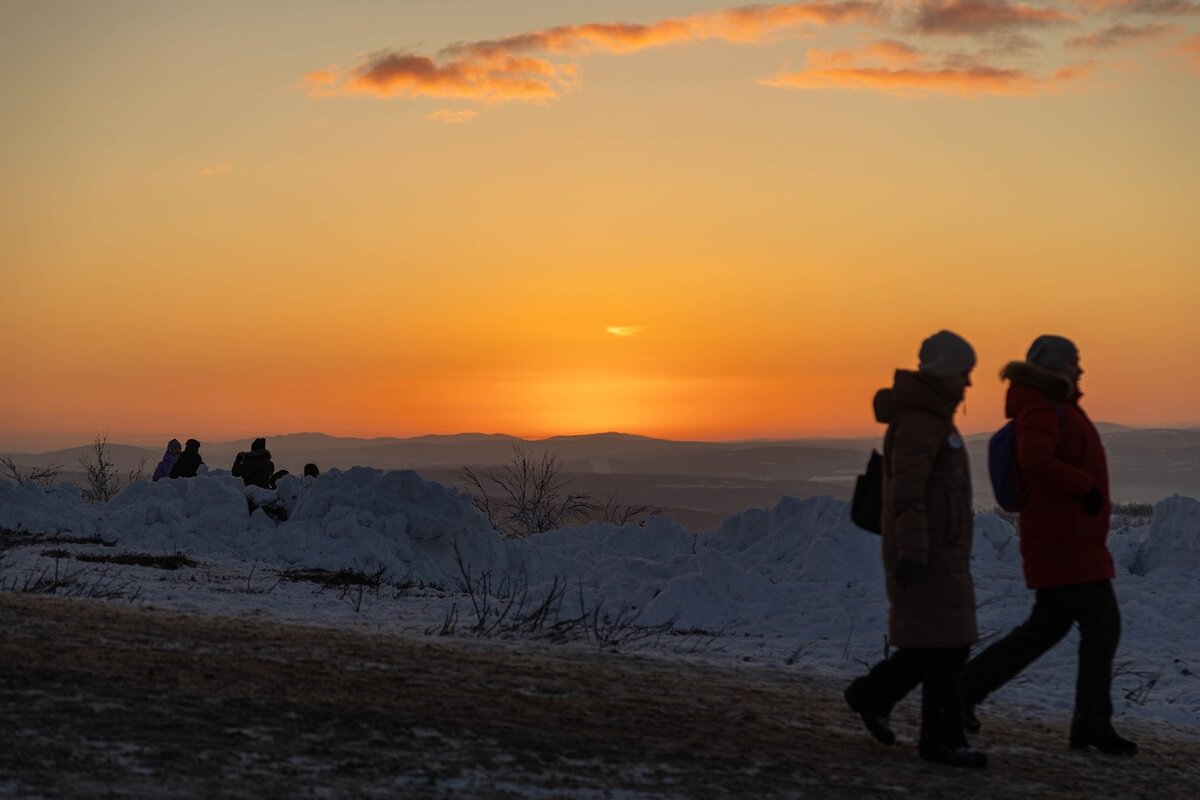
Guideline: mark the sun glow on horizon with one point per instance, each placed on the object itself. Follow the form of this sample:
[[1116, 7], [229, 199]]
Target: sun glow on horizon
[[400, 219]]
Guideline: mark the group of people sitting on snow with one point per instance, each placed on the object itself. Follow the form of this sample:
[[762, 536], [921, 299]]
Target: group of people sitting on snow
[[253, 466]]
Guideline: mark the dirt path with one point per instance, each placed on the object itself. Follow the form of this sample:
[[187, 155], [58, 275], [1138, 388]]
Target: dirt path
[[109, 700]]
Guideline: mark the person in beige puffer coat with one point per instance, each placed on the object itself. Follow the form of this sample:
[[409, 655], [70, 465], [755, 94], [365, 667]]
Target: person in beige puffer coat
[[927, 534]]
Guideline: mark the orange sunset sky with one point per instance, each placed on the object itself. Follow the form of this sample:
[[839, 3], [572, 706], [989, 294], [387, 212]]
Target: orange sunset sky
[[677, 218]]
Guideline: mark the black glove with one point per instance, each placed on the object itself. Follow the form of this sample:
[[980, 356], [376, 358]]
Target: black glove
[[1093, 501], [910, 572]]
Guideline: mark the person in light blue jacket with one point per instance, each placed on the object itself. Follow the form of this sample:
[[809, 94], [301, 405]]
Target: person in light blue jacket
[[163, 470]]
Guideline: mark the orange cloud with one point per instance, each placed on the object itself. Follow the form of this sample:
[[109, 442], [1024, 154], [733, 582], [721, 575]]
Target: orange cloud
[[868, 70], [453, 117], [216, 169], [1161, 8], [1119, 35], [1190, 47], [516, 67], [966, 17]]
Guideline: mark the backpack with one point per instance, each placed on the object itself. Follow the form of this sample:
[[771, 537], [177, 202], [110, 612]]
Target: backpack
[[866, 509], [1007, 482]]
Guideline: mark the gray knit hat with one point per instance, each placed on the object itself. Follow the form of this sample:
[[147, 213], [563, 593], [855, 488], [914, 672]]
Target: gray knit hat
[[945, 354], [1052, 352]]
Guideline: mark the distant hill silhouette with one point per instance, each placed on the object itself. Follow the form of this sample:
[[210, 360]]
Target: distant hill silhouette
[[699, 482]]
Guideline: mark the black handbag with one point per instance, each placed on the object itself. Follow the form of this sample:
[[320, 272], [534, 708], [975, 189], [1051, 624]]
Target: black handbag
[[866, 508]]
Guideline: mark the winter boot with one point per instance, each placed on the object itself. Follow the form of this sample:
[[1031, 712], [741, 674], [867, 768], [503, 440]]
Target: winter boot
[[965, 756], [1106, 741], [970, 721], [875, 722]]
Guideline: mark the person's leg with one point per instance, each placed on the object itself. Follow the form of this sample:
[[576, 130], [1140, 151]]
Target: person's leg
[[893, 678], [942, 737], [873, 695], [1095, 607], [1048, 623]]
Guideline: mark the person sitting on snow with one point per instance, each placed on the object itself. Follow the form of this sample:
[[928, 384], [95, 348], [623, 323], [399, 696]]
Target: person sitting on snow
[[163, 470], [255, 468], [189, 460]]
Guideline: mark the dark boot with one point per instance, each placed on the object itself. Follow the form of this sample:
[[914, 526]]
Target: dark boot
[[970, 721], [875, 722], [1108, 742], [966, 756]]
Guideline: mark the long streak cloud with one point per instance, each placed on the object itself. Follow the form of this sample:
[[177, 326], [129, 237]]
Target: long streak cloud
[[537, 65]]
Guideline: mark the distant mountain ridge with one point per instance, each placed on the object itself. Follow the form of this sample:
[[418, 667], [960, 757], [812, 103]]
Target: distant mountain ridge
[[1145, 463]]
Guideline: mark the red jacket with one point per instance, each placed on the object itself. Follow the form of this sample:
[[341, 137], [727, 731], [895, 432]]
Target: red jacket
[[1061, 457]]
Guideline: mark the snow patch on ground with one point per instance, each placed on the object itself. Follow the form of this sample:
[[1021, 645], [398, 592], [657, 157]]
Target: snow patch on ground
[[797, 585]]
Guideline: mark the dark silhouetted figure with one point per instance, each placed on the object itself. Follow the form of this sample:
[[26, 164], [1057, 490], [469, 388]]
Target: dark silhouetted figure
[[255, 467], [163, 470], [189, 460], [1064, 544], [927, 534], [311, 471]]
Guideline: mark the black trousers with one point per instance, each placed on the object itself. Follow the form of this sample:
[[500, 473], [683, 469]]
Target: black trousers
[[1093, 606], [938, 672]]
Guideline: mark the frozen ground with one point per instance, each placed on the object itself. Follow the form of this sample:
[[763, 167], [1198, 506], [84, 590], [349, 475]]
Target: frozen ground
[[796, 587]]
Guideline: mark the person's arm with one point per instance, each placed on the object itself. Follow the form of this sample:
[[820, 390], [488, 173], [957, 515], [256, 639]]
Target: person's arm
[[1039, 430], [238, 463], [915, 444]]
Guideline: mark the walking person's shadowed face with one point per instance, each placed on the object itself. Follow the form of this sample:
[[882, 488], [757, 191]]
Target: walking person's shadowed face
[[956, 386]]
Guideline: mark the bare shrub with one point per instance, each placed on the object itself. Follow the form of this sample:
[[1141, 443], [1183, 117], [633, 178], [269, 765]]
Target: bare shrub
[[66, 582], [101, 477], [618, 513], [506, 607], [42, 476], [530, 495]]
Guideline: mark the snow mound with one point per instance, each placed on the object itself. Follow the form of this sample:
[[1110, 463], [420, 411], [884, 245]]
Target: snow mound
[[1173, 541]]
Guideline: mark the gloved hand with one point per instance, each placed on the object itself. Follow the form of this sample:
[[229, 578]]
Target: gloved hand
[[1093, 501], [910, 572]]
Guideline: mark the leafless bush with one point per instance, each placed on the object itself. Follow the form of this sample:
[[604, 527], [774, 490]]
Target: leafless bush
[[618, 513], [1142, 682], [137, 474], [66, 582], [530, 495], [42, 476], [800, 653], [527, 495], [505, 607], [102, 479]]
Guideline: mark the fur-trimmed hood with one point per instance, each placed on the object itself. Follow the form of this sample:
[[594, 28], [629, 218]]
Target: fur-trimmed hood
[[1052, 384]]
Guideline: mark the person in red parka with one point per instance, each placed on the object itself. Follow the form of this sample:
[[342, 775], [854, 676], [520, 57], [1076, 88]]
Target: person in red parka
[[1063, 533]]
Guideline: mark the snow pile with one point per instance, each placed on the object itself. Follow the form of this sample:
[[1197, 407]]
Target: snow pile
[[1173, 541], [798, 578], [357, 518]]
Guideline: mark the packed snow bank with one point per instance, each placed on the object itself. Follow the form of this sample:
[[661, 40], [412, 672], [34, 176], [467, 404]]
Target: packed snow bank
[[799, 578], [1173, 541]]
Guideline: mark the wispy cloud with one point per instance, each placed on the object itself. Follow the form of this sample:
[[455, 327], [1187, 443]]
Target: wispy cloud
[[1119, 35], [973, 17], [1190, 48], [909, 73], [538, 65], [1156, 8], [449, 117], [208, 171], [626, 330]]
